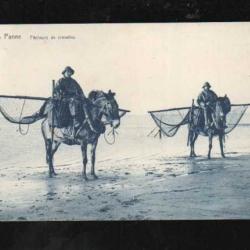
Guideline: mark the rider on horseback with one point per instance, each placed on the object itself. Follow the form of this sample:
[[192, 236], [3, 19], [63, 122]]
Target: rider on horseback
[[69, 91], [206, 100]]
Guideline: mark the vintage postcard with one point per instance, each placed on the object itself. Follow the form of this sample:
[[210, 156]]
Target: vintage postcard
[[124, 121]]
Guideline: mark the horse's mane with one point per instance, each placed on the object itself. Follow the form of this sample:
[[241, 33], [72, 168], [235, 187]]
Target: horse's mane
[[94, 94], [225, 102]]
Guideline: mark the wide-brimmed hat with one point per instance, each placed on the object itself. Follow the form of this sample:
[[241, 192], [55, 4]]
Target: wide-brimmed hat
[[206, 84], [68, 68]]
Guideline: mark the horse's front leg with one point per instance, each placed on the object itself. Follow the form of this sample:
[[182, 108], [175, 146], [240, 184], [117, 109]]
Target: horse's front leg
[[93, 157], [48, 147], [84, 160], [221, 145], [210, 145]]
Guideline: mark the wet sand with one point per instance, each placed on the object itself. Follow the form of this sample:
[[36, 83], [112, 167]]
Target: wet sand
[[152, 188], [140, 178]]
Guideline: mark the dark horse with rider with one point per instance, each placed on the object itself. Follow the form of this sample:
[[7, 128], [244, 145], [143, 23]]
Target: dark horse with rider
[[71, 118], [208, 119]]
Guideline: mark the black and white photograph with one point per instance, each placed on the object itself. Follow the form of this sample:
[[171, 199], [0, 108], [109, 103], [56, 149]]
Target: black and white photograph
[[114, 122]]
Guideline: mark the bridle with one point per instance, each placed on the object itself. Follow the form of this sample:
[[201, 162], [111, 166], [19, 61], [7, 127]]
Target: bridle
[[103, 108], [103, 111]]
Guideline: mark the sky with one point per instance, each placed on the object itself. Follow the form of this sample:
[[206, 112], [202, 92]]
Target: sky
[[149, 66]]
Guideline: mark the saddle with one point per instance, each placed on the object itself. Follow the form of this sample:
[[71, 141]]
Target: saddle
[[200, 119], [63, 117]]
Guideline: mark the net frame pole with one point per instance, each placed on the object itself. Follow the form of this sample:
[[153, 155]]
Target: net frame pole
[[160, 133], [189, 127], [52, 114], [24, 97], [152, 131]]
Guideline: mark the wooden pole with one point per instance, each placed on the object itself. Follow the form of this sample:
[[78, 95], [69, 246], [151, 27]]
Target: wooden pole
[[24, 97], [191, 120], [152, 131], [160, 135], [52, 115]]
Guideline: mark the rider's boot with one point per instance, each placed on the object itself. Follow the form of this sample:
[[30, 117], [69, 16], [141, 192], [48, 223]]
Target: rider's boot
[[75, 129], [206, 125], [225, 125], [206, 120]]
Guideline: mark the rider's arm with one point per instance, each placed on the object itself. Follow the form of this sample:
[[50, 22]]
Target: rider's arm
[[215, 97], [200, 99], [212, 97], [79, 90], [58, 90]]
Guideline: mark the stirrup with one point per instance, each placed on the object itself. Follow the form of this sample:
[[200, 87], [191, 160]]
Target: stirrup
[[73, 134]]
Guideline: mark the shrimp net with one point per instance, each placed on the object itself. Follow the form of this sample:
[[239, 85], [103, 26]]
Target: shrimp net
[[169, 121], [234, 117]]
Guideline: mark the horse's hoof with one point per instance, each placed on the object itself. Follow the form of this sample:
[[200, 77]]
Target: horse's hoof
[[85, 177], [54, 173], [223, 156], [95, 176]]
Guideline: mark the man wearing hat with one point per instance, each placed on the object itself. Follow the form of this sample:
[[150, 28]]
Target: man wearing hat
[[68, 90], [206, 101], [66, 86]]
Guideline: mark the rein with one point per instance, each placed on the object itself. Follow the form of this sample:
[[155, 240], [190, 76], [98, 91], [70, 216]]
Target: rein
[[114, 133]]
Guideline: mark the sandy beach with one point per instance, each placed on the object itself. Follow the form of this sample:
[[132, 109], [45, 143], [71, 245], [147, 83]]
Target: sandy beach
[[140, 178]]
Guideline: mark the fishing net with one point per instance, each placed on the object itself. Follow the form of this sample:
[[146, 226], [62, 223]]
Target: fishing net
[[14, 107], [169, 121], [18, 108], [234, 117]]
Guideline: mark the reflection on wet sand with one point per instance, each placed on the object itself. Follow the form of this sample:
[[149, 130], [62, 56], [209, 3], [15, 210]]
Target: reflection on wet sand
[[139, 178]]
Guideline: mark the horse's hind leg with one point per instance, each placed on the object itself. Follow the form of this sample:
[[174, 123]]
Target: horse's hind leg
[[50, 151], [192, 143], [210, 146], [93, 156], [221, 145], [84, 160], [49, 161], [48, 147], [54, 148]]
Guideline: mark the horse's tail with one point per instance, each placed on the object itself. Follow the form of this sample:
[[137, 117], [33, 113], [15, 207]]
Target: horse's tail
[[22, 120]]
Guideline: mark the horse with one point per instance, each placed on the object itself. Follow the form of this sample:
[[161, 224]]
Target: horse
[[103, 110], [196, 124]]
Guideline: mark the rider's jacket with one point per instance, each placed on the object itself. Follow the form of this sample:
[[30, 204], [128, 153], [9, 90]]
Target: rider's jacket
[[67, 87], [207, 98]]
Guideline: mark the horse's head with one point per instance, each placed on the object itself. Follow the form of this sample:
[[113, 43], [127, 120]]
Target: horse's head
[[224, 104], [222, 107], [107, 106]]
